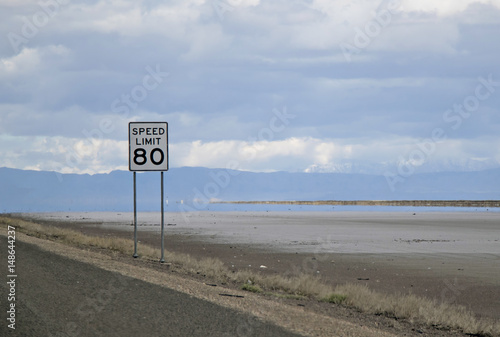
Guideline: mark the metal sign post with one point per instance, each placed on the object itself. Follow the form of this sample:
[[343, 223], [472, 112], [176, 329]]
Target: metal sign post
[[148, 151], [162, 219], [135, 220]]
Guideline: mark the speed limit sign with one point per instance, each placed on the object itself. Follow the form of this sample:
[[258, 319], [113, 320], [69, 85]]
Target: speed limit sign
[[148, 146]]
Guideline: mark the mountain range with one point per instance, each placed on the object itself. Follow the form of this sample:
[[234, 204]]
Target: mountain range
[[191, 188]]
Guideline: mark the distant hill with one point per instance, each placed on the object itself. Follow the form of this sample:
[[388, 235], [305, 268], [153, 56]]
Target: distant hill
[[188, 188]]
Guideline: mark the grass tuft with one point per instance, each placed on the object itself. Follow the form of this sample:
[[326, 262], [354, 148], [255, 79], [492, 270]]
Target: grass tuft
[[285, 296], [334, 298], [250, 287]]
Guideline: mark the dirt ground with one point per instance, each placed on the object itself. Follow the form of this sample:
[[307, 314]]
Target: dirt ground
[[465, 279], [307, 317], [470, 280]]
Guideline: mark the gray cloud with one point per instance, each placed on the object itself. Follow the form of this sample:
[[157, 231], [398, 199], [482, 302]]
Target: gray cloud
[[228, 72]]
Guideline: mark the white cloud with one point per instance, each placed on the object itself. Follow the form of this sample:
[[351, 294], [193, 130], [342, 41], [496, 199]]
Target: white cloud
[[206, 41], [62, 154], [32, 61], [134, 18], [27, 60], [74, 155], [243, 3], [17, 3], [435, 37], [186, 119], [340, 155], [443, 7], [346, 11]]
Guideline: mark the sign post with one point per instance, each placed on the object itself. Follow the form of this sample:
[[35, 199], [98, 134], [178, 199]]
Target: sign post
[[135, 220], [148, 151], [162, 219]]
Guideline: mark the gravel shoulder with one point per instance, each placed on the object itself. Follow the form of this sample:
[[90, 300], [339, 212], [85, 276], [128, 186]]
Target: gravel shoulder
[[64, 291], [58, 296]]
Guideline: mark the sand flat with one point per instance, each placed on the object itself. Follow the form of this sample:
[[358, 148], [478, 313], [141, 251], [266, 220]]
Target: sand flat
[[325, 232]]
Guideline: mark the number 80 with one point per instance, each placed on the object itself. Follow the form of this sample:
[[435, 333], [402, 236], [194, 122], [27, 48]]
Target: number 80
[[141, 159]]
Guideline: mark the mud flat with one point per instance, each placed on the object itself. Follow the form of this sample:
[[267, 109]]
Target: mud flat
[[448, 256]]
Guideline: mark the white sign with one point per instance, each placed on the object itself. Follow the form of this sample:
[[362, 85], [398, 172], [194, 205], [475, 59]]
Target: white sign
[[148, 146]]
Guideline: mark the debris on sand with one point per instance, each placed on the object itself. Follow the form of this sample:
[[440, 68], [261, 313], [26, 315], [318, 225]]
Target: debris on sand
[[231, 295]]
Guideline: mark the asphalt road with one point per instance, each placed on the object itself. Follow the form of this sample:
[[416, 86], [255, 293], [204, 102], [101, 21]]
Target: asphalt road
[[57, 296]]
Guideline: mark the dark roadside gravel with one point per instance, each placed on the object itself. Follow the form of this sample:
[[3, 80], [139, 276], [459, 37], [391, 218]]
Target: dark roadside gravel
[[57, 296]]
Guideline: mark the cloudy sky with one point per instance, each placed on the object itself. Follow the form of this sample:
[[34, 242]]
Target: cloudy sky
[[263, 85]]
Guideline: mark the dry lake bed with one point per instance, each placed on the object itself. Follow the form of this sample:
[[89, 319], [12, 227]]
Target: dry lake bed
[[452, 257]]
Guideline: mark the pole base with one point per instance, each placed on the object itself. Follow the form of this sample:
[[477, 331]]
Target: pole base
[[135, 256]]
